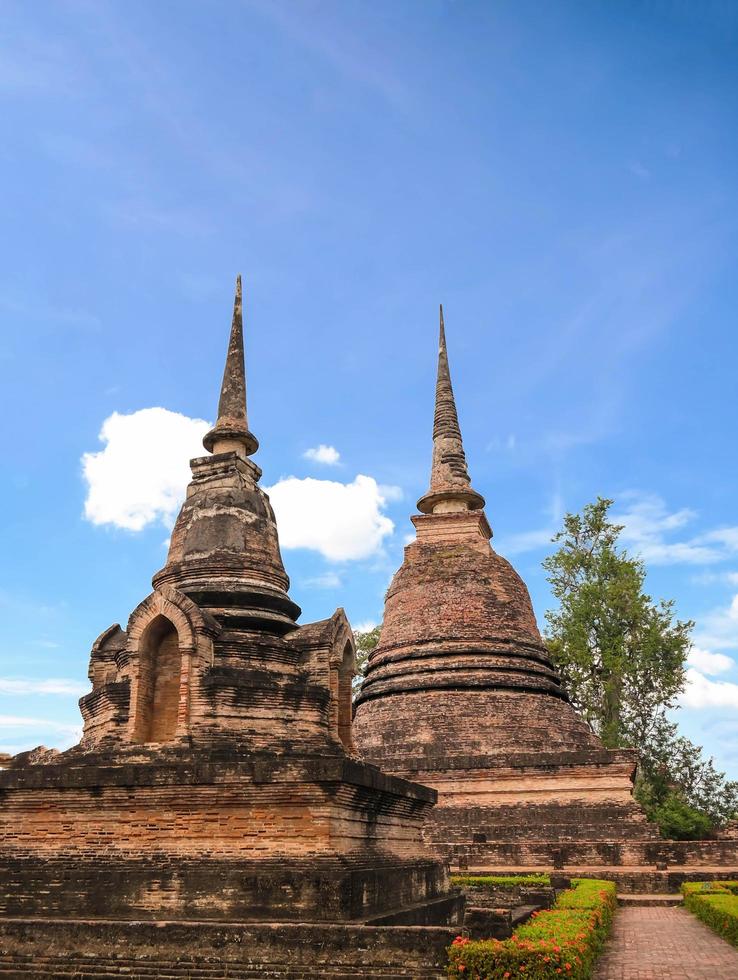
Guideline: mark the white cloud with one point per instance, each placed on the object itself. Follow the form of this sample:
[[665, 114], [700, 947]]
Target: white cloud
[[709, 663], [140, 475], [12, 685], [719, 628], [328, 455], [343, 521], [701, 692]]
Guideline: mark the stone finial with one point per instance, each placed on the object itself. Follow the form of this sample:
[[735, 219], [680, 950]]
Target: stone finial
[[450, 487], [231, 431]]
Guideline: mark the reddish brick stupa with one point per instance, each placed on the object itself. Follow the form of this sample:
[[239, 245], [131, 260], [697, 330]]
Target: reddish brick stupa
[[216, 780], [460, 693]]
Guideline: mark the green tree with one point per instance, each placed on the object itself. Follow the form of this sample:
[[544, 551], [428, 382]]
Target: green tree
[[622, 659], [679, 787], [621, 656], [365, 641]]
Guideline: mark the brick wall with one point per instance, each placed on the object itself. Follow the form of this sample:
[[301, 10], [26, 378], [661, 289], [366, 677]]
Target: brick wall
[[293, 952]]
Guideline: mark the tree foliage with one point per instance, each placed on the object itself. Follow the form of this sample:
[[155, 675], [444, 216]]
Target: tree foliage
[[621, 655], [365, 640], [622, 659], [680, 788]]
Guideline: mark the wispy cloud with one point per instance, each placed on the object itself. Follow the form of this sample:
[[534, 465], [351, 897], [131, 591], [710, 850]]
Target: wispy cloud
[[33, 66], [639, 170], [328, 580], [649, 528], [538, 538], [24, 308], [22, 721], [718, 629], [365, 626], [323, 32], [518, 544], [28, 606], [138, 214], [13, 685]]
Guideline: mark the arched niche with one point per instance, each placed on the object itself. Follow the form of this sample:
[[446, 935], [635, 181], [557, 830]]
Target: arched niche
[[159, 682], [342, 663], [346, 671], [170, 645]]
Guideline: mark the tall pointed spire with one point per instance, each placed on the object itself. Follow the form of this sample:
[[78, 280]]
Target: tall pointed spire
[[450, 487], [231, 431]]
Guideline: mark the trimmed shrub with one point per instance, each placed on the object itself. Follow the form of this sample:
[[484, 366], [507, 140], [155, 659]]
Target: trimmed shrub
[[563, 941], [716, 904]]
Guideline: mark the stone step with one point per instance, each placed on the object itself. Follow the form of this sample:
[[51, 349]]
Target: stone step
[[521, 914], [650, 900]]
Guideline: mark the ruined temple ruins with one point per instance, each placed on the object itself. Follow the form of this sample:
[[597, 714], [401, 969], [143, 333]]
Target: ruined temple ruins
[[461, 695], [216, 786], [223, 816]]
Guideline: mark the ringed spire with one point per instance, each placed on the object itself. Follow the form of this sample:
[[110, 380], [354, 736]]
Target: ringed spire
[[450, 485], [231, 431]]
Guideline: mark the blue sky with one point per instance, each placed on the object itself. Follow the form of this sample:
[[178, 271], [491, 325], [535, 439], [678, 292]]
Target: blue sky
[[562, 176]]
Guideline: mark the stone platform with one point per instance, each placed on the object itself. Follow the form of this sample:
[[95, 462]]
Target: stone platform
[[217, 834]]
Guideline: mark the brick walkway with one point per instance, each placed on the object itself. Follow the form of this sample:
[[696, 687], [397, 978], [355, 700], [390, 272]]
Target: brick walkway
[[665, 944]]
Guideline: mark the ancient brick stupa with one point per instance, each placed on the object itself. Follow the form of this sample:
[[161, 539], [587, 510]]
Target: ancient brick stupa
[[216, 780], [461, 694]]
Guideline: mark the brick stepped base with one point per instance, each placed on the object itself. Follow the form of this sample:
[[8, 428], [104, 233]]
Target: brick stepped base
[[51, 948], [652, 901], [528, 825], [94, 969], [642, 880], [595, 852]]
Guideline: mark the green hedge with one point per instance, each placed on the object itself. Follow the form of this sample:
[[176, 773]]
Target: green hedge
[[563, 941], [499, 881], [716, 904]]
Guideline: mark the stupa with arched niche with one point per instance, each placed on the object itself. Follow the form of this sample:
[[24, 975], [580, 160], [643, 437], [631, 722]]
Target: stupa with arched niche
[[216, 780]]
